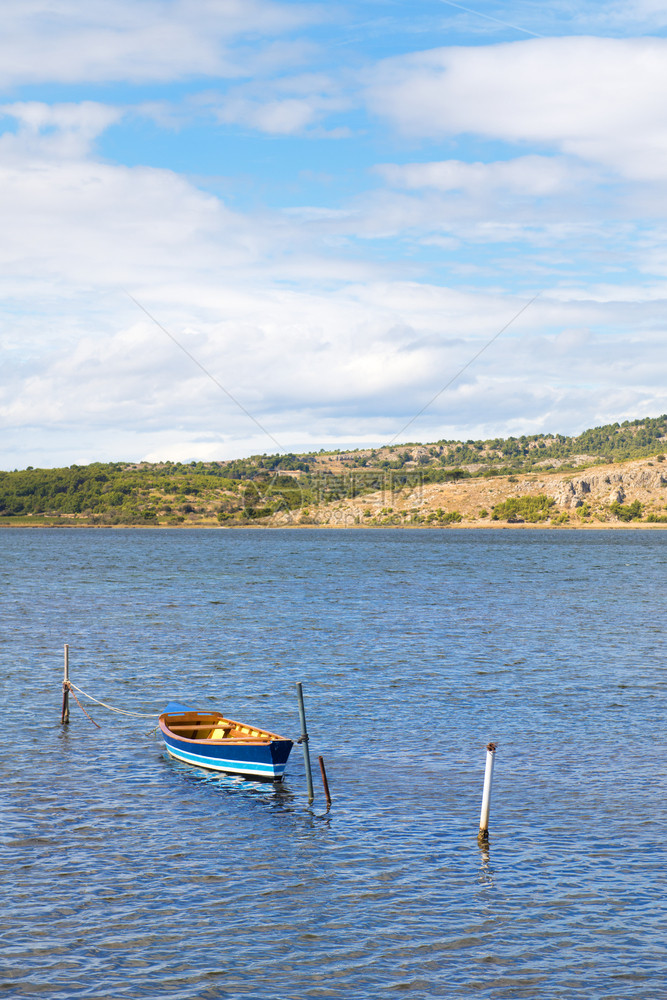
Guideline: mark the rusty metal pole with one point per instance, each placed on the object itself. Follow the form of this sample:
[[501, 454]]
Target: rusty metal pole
[[304, 740], [64, 715]]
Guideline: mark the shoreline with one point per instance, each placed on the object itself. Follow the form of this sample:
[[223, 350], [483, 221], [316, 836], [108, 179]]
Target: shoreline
[[482, 526]]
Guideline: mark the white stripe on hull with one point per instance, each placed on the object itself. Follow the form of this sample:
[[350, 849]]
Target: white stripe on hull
[[256, 770]]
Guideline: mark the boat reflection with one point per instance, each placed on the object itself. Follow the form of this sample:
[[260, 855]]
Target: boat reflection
[[275, 793]]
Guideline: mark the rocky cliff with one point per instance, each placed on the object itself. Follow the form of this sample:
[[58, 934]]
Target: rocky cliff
[[599, 496]]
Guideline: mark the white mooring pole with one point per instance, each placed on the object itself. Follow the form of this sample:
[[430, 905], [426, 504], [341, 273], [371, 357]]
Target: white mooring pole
[[486, 794]]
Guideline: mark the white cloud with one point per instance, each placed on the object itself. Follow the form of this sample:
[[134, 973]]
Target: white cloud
[[124, 40], [286, 106], [598, 99], [70, 221], [532, 200], [277, 117], [529, 176], [49, 132]]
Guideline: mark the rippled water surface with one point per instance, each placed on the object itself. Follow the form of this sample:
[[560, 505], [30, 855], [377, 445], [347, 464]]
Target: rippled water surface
[[127, 874]]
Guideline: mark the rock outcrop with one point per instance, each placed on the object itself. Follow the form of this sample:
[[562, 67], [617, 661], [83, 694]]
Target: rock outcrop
[[608, 487]]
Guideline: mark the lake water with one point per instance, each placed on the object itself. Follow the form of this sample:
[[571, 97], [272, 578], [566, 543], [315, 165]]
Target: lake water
[[127, 874]]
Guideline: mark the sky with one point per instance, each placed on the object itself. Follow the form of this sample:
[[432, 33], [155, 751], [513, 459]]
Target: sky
[[233, 227]]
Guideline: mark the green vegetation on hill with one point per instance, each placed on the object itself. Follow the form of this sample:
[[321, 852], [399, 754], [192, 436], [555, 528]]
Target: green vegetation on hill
[[525, 508], [245, 490], [443, 460], [138, 494], [611, 443]]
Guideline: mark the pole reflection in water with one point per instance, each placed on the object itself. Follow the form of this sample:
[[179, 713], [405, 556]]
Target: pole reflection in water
[[485, 876]]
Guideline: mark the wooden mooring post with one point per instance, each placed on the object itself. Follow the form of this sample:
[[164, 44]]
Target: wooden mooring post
[[64, 715], [325, 783]]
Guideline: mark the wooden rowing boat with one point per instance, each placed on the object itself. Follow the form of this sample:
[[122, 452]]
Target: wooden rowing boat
[[210, 740]]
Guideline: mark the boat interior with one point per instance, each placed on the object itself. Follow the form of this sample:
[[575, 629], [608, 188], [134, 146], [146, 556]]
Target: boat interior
[[211, 726]]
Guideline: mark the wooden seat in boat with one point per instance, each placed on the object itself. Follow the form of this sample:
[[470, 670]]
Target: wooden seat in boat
[[219, 732]]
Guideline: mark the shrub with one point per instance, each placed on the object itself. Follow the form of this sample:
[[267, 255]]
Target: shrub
[[627, 512], [441, 516], [527, 508]]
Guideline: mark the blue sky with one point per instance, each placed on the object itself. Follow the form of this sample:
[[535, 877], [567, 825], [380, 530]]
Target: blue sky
[[328, 210]]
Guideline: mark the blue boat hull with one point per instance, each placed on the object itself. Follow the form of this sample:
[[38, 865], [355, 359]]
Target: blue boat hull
[[266, 762], [207, 739]]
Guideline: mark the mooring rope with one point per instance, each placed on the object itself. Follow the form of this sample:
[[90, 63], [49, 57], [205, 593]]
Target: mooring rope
[[68, 687], [134, 715]]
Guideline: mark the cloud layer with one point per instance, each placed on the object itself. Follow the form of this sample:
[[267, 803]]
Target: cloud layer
[[370, 224]]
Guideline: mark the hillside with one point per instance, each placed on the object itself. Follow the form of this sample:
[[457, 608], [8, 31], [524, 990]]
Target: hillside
[[614, 494], [608, 475]]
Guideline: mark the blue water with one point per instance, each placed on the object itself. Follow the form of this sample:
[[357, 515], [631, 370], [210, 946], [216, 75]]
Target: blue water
[[127, 874]]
